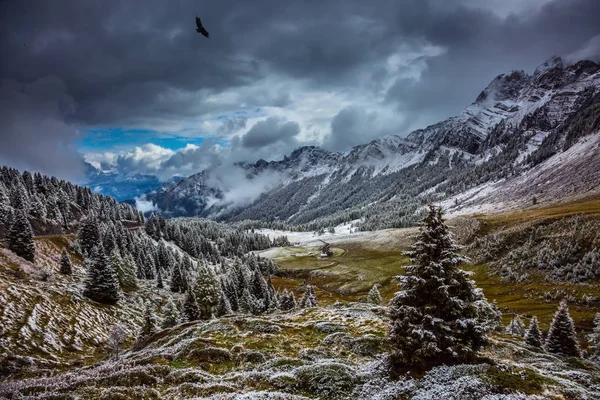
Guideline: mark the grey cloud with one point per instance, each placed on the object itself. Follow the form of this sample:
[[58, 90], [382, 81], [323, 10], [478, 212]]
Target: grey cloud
[[352, 126], [141, 63], [33, 133], [231, 125], [270, 131]]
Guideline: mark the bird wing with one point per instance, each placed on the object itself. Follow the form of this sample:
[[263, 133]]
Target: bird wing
[[204, 32], [198, 22]]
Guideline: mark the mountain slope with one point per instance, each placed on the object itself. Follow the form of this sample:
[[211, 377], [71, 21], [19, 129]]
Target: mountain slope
[[514, 126]]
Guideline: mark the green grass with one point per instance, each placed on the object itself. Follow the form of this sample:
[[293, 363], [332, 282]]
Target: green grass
[[491, 222], [348, 275], [517, 379]]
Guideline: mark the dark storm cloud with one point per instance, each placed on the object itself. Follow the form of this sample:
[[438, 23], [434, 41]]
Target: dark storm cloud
[[33, 133], [272, 130], [480, 45], [141, 63], [351, 126]]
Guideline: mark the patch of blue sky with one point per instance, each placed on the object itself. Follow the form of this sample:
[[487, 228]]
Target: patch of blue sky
[[115, 139]]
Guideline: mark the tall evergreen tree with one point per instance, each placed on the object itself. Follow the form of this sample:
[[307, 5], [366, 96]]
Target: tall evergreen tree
[[159, 280], [171, 315], [374, 297], [561, 337], [149, 327], [435, 319], [20, 237], [516, 327], [533, 336], [594, 340], [66, 267], [89, 235], [178, 282], [102, 283], [224, 307], [206, 290], [191, 312], [126, 270]]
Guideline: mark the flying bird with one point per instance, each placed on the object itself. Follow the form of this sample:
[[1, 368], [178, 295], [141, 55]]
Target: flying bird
[[200, 28]]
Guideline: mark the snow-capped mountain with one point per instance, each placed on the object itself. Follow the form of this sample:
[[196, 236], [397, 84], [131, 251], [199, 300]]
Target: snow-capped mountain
[[515, 126]]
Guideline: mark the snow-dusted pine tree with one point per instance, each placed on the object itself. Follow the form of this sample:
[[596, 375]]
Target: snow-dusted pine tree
[[207, 292], [516, 327], [561, 337], [89, 235], [594, 340], [159, 280], [308, 299], [177, 280], [20, 237], [126, 270], [171, 315], [66, 267], [374, 297], [533, 336], [436, 318], [288, 301], [149, 327], [102, 283], [224, 307], [191, 312]]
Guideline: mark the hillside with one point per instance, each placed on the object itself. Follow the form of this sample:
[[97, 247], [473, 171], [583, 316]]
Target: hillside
[[525, 136], [54, 340]]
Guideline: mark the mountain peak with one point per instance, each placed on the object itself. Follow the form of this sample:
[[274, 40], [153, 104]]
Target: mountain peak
[[504, 87], [551, 63]]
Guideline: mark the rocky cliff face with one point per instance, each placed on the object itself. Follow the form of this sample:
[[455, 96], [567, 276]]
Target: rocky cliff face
[[517, 122]]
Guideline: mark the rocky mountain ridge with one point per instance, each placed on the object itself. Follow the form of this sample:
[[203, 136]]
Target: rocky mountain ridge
[[515, 124]]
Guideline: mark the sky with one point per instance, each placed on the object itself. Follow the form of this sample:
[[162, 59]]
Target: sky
[[130, 86]]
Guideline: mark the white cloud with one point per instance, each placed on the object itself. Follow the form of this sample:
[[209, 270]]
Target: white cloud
[[145, 205]]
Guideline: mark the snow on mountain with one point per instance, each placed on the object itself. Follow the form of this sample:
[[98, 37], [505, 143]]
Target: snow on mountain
[[516, 123]]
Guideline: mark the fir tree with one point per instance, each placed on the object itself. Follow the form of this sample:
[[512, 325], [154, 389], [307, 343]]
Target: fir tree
[[171, 315], [177, 280], [594, 340], [66, 267], [224, 307], [516, 327], [126, 270], [191, 312], [102, 283], [374, 297], [533, 336], [435, 319], [288, 300], [159, 280], [206, 290], [89, 235], [20, 237], [561, 337], [309, 299], [496, 317], [260, 290], [149, 327]]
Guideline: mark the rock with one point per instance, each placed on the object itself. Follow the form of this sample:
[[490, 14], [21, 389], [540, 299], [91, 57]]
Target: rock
[[337, 338], [329, 327]]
